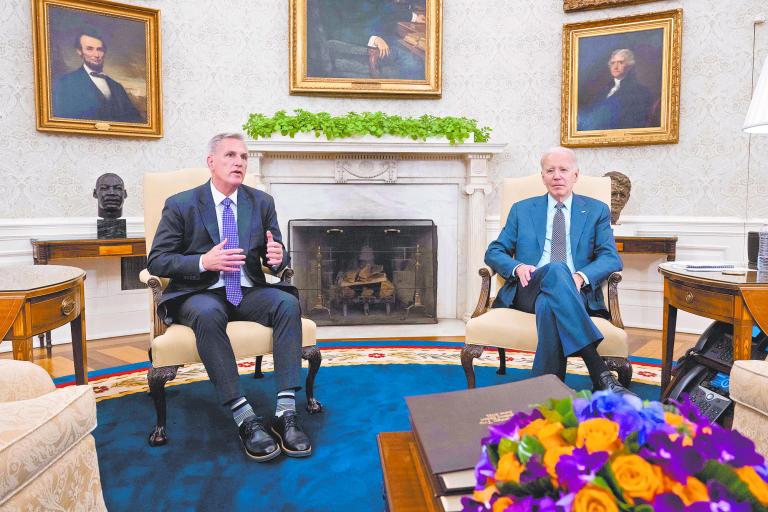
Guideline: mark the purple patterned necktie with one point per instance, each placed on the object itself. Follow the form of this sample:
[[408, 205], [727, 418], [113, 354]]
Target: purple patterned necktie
[[558, 252], [229, 231]]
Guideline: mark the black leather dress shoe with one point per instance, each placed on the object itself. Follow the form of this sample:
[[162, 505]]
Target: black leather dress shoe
[[258, 444], [293, 440], [609, 382]]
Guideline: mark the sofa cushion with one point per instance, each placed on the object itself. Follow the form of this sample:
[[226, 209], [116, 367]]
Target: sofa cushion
[[510, 328], [177, 346], [749, 382], [35, 433]]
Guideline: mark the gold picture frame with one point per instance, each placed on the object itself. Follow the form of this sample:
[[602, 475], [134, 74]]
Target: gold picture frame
[[380, 48], [97, 68], [633, 100], [583, 5]]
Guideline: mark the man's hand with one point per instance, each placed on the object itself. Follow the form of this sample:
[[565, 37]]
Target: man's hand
[[221, 259], [523, 274], [274, 251], [420, 18], [381, 45], [578, 280]]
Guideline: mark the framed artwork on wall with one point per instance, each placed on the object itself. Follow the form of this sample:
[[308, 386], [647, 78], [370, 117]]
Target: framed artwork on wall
[[621, 81], [583, 5], [379, 48], [97, 68]]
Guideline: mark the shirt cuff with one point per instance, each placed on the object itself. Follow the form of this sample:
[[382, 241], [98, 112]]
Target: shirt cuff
[[370, 41], [584, 277], [202, 267], [514, 271]]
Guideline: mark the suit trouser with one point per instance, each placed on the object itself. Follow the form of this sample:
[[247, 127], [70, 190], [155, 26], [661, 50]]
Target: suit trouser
[[562, 321], [207, 313]]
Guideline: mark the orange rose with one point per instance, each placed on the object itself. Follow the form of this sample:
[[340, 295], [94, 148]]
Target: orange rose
[[533, 427], [594, 499], [501, 504], [552, 457], [509, 469], [598, 435], [673, 419], [485, 495], [637, 477], [694, 489], [550, 437], [756, 484]]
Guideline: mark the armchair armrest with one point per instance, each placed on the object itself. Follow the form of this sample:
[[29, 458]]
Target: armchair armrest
[[155, 283], [613, 299], [285, 275], [21, 380], [484, 300]]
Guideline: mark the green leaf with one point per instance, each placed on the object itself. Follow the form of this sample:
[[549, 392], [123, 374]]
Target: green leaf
[[529, 446], [727, 476], [507, 446]]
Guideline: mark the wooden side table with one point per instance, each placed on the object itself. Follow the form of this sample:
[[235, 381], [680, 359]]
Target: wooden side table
[[44, 251], [36, 299], [406, 484], [648, 245]]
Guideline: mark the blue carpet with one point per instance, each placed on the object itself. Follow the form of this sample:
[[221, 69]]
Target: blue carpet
[[203, 466]]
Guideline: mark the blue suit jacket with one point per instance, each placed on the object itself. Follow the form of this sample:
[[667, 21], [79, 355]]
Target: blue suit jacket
[[522, 242], [75, 96], [188, 228]]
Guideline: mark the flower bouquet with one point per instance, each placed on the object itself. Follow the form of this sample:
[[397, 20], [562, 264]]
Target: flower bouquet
[[605, 452]]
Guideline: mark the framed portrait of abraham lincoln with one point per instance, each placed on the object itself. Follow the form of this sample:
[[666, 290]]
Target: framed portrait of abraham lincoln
[[379, 48], [97, 68], [621, 81]]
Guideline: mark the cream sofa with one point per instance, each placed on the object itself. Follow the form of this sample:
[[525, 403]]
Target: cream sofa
[[749, 391], [47, 453]]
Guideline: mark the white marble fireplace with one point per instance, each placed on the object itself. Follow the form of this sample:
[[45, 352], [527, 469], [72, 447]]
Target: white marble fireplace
[[389, 179]]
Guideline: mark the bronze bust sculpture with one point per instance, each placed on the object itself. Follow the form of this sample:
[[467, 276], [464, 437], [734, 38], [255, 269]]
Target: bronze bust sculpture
[[620, 189], [110, 193]]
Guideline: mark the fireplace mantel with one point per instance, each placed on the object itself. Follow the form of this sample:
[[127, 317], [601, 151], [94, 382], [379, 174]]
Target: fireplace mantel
[[288, 168]]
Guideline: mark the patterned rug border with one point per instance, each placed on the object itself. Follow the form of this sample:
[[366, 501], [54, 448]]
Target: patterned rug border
[[133, 378]]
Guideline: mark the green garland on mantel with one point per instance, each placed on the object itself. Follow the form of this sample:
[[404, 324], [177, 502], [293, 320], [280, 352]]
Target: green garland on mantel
[[355, 124]]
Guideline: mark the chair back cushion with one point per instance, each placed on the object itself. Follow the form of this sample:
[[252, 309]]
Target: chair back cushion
[[159, 186], [517, 189]]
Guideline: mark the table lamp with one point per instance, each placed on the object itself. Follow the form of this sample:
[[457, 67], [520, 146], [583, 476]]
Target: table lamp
[[757, 116]]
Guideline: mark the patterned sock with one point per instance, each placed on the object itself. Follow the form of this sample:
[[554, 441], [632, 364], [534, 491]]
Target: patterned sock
[[241, 410], [286, 401]]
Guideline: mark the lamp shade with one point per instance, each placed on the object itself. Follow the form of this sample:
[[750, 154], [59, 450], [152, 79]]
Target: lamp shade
[[757, 116]]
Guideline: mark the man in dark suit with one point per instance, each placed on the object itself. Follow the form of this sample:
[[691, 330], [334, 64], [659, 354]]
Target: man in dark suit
[[87, 93], [212, 241], [554, 252], [625, 103]]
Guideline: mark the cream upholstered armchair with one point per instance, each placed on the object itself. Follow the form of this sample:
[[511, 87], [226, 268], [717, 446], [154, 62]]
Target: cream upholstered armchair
[[749, 391], [174, 346], [47, 453], [506, 328]]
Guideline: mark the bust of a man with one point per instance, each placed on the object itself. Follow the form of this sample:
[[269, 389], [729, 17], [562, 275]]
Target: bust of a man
[[110, 192], [620, 188]]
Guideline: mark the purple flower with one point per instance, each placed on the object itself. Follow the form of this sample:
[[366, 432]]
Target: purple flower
[[510, 427], [762, 470], [470, 505], [602, 404], [534, 470], [668, 502], [531, 504], [727, 446], [690, 411], [483, 470], [720, 500], [579, 468], [677, 460]]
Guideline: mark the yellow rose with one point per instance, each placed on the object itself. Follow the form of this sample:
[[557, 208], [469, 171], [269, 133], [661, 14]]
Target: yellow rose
[[501, 504], [533, 427], [509, 469], [756, 484], [694, 489], [594, 499], [485, 495], [550, 437], [637, 477], [673, 419], [598, 435], [552, 457]]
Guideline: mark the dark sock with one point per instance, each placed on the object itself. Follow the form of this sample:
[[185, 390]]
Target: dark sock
[[241, 410], [594, 362]]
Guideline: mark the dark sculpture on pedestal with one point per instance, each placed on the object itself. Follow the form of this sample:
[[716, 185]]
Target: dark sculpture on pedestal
[[620, 188], [110, 192]]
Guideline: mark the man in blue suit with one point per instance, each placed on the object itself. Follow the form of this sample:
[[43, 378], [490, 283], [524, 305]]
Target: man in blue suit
[[554, 252], [212, 242], [88, 93]]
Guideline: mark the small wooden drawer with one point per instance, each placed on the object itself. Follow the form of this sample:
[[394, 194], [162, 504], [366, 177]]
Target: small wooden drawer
[[707, 302], [54, 310]]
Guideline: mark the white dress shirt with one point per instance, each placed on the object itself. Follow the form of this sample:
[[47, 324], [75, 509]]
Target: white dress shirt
[[99, 82], [616, 85]]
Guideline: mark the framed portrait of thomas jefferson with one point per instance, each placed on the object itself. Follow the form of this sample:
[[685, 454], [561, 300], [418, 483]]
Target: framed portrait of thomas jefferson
[[365, 47], [97, 68], [621, 81]]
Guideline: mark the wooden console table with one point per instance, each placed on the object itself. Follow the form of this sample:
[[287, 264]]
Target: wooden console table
[[37, 299], [406, 488], [648, 245], [738, 300], [44, 251]]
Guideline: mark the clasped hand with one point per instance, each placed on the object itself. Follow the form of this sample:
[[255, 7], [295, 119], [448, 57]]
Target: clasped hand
[[223, 260], [524, 273]]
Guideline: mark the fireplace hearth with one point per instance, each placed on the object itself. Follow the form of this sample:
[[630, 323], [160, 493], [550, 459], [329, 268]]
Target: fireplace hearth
[[359, 272]]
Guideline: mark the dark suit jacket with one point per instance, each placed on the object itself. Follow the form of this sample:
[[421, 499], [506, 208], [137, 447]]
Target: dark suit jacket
[[629, 107], [188, 228], [522, 242], [75, 96]]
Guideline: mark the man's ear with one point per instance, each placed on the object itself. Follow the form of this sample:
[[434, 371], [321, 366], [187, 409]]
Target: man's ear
[[94, 194], [209, 162]]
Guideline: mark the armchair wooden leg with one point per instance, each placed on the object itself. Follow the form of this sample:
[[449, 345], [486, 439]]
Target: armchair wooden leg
[[502, 362], [623, 367], [468, 354], [314, 358], [257, 373], [157, 377]]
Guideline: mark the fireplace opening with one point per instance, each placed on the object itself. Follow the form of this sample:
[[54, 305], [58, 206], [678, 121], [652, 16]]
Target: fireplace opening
[[359, 272]]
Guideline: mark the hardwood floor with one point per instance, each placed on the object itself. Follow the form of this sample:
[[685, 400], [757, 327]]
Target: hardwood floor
[[111, 352]]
